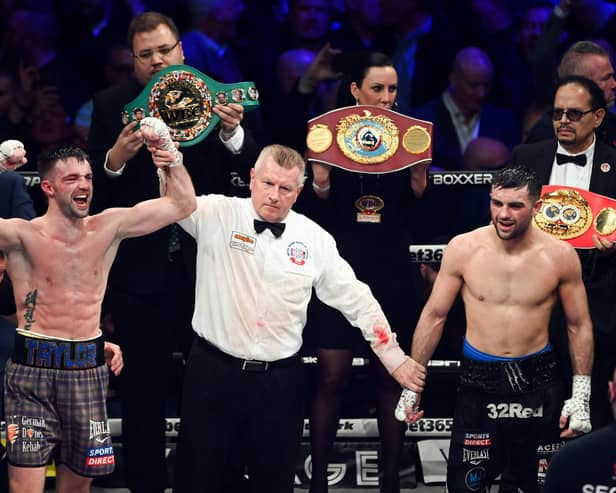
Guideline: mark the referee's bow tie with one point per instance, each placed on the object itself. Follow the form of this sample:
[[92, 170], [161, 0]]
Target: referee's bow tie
[[275, 228], [580, 159]]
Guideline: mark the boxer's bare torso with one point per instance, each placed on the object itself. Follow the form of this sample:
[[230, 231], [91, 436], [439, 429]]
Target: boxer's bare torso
[[59, 263], [509, 295], [59, 274], [510, 275]]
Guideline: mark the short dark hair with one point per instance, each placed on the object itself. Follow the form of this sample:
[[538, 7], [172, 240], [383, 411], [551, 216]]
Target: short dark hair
[[148, 22], [47, 161], [571, 62], [518, 177], [597, 98]]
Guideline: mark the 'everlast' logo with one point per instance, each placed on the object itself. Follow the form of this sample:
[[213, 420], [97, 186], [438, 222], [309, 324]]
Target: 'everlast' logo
[[99, 429], [475, 456]]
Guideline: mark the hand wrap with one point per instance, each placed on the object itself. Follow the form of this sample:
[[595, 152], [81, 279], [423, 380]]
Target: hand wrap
[[407, 399], [156, 131], [12, 155], [577, 407]]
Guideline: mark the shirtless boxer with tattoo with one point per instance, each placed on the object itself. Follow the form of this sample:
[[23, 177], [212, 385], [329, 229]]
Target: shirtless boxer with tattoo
[[59, 262]]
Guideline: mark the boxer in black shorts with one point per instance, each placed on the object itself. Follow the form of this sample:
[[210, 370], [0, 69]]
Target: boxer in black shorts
[[508, 413]]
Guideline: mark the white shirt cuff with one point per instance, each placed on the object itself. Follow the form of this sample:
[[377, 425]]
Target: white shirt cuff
[[390, 353], [235, 141], [110, 172]]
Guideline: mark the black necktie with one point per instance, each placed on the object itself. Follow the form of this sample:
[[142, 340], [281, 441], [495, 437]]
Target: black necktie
[[275, 228], [580, 159]]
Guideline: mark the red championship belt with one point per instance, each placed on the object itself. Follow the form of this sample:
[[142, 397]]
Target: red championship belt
[[368, 139], [575, 215]]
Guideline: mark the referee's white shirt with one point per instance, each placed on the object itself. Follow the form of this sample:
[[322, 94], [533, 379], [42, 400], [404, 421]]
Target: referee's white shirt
[[253, 289]]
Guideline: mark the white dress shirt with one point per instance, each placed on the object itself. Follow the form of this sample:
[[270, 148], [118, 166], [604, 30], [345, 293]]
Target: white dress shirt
[[466, 129], [570, 174], [253, 289], [233, 142]]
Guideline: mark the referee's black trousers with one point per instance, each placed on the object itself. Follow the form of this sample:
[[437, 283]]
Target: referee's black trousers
[[228, 410]]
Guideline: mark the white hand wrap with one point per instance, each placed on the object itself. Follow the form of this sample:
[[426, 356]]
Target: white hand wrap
[[577, 407], [407, 399], [155, 130], [14, 153]]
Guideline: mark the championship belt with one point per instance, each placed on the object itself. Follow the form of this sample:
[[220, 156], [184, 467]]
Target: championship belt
[[368, 139], [575, 215], [183, 97]]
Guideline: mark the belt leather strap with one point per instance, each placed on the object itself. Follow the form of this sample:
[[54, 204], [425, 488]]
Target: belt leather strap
[[250, 365]]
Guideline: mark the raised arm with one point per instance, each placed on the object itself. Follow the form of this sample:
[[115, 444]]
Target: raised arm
[[10, 239], [177, 202], [579, 327]]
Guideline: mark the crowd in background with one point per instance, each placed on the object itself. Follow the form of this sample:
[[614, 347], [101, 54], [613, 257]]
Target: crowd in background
[[55, 55], [495, 60]]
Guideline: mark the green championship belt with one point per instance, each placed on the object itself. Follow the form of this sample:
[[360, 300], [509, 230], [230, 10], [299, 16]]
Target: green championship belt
[[368, 139], [183, 98]]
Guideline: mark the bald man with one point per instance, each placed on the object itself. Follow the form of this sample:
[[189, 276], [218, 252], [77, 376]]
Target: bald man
[[460, 115], [462, 112], [485, 153], [481, 154]]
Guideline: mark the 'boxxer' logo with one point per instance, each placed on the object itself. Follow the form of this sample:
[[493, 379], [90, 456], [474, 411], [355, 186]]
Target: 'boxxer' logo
[[462, 178]]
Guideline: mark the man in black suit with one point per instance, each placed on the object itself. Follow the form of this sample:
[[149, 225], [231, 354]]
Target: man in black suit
[[577, 158], [150, 296], [14, 198], [592, 61]]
